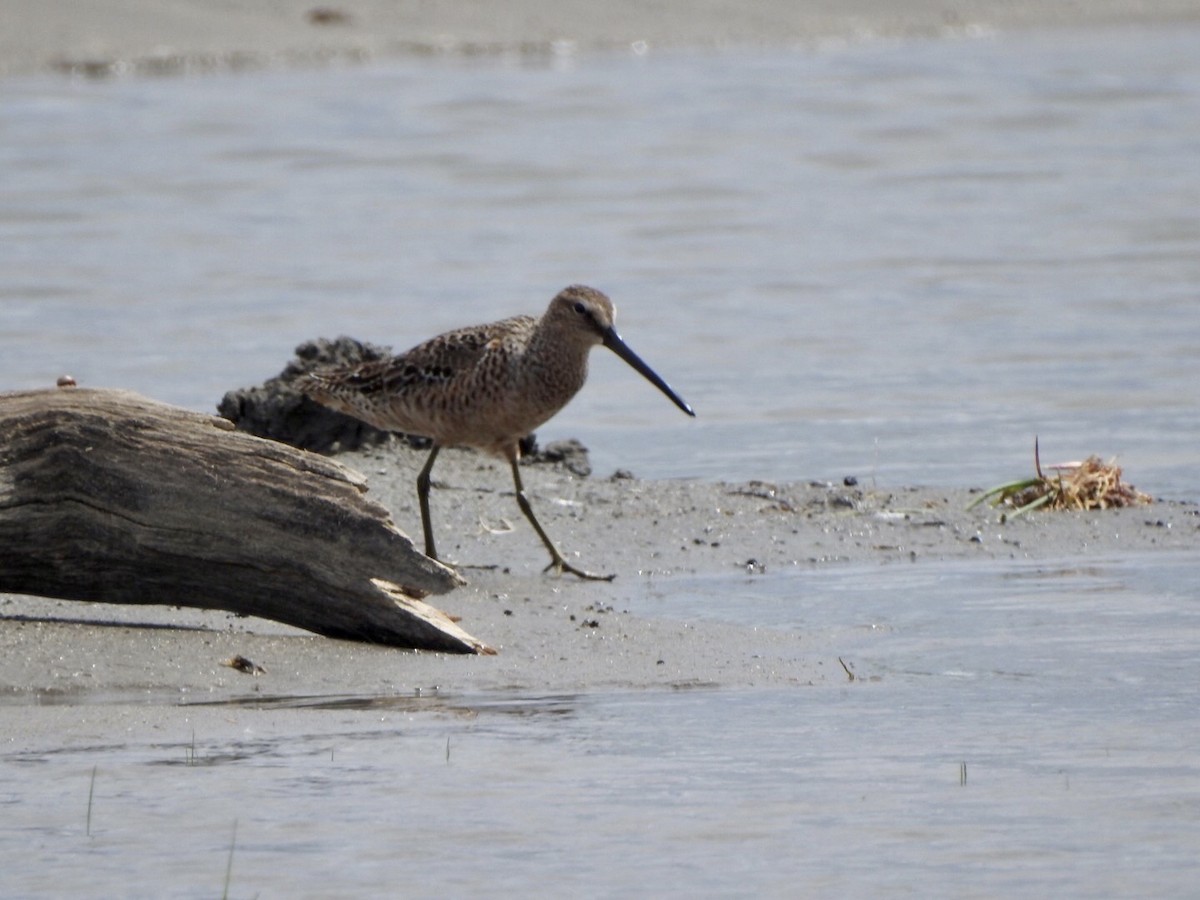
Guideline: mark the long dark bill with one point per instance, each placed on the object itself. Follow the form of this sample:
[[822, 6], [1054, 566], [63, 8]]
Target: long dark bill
[[613, 342]]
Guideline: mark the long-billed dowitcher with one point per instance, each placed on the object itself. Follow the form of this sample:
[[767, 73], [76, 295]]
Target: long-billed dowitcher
[[485, 386]]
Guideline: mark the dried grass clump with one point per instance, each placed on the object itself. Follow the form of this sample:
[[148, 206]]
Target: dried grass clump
[[1090, 484]]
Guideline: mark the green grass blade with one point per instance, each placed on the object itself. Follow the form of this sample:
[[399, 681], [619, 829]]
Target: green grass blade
[[1001, 490], [1040, 501]]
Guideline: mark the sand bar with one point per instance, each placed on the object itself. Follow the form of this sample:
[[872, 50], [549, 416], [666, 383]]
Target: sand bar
[[555, 635], [101, 37], [561, 634]]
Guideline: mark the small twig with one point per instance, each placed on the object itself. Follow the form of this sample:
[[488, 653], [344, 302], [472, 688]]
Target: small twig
[[849, 674], [91, 792], [505, 527], [229, 864]]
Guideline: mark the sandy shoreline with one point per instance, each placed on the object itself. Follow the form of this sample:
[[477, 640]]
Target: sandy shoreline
[[118, 36], [554, 635]]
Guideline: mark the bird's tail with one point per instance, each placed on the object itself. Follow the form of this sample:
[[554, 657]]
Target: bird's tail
[[353, 390]]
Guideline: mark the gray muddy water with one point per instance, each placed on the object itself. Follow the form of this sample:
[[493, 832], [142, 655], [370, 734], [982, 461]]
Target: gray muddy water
[[1010, 728], [900, 260], [895, 260]]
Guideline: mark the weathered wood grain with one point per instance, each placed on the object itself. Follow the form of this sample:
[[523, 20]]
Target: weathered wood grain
[[108, 496]]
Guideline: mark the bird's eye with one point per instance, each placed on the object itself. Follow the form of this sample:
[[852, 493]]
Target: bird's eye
[[581, 309]]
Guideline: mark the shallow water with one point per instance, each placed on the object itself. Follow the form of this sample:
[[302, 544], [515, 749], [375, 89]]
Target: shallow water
[[899, 261], [1064, 694]]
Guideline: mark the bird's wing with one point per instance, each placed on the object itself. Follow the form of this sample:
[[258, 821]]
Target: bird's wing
[[449, 355], [432, 363]]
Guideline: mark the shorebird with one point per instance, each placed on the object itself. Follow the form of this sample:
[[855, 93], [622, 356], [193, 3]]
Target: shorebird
[[485, 386]]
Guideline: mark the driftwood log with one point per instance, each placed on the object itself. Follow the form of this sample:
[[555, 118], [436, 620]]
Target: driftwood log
[[108, 496]]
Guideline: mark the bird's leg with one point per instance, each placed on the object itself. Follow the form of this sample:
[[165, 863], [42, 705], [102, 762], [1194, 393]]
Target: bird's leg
[[557, 562], [423, 499]]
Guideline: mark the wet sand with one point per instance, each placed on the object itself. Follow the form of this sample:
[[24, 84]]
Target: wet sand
[[554, 635]]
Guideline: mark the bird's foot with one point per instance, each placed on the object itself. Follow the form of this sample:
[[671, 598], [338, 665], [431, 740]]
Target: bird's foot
[[560, 565]]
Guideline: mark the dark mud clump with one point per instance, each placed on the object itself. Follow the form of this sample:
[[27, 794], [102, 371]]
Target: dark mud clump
[[570, 454]]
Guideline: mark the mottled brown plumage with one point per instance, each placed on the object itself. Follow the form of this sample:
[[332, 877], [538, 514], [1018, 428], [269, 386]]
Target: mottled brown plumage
[[485, 386]]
